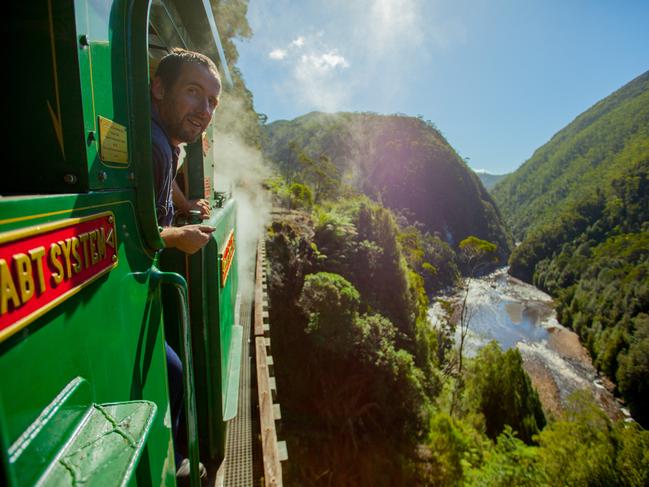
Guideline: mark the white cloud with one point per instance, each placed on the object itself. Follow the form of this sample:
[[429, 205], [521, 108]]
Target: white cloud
[[344, 47], [317, 81], [277, 54], [298, 42], [332, 59], [322, 62]]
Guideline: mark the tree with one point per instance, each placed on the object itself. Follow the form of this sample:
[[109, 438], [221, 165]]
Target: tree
[[499, 388], [578, 450], [510, 462], [633, 374], [300, 196], [475, 254], [290, 163], [331, 303], [325, 178], [450, 445], [445, 334]]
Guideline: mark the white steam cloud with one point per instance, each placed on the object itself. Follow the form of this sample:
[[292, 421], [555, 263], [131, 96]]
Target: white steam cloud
[[240, 168]]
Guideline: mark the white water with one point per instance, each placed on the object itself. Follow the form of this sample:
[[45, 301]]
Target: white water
[[505, 310], [516, 314]]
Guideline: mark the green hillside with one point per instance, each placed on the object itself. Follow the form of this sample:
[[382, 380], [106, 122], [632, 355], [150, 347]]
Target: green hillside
[[580, 206], [597, 146], [401, 161]]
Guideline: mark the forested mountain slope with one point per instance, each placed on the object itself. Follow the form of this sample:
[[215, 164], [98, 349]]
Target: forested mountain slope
[[402, 161], [600, 144], [581, 207], [489, 180]]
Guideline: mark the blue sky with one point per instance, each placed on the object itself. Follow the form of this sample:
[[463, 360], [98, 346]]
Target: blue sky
[[497, 77]]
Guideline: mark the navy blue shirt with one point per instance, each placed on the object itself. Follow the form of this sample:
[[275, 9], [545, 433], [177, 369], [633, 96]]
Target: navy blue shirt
[[165, 165]]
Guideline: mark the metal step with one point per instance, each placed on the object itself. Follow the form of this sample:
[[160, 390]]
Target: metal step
[[238, 443]]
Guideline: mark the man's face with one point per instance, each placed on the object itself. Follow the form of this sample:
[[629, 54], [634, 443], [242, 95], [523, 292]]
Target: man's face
[[186, 109]]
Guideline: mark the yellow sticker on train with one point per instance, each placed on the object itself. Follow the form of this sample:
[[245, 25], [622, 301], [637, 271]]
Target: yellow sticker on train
[[113, 141]]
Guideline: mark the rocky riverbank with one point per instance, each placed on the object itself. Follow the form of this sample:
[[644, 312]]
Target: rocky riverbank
[[516, 314]]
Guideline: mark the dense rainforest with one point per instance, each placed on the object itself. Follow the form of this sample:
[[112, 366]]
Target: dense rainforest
[[368, 225], [371, 393], [580, 206]]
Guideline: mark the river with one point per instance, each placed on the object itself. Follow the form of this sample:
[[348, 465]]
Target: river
[[516, 314]]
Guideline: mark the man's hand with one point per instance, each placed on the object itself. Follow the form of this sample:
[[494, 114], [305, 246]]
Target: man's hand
[[201, 205], [184, 205], [189, 239]]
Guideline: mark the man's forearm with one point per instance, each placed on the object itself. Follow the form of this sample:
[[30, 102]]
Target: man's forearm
[[169, 236], [188, 238], [179, 199]]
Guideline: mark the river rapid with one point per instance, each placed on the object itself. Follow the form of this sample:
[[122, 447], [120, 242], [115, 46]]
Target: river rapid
[[516, 314]]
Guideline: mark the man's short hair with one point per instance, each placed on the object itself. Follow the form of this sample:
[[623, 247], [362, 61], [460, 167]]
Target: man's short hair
[[170, 66]]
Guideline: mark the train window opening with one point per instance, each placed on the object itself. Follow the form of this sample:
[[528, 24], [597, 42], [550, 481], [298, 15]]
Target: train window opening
[[164, 19], [168, 29]]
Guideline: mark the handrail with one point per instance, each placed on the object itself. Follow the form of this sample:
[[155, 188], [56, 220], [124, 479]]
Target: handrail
[[179, 283]]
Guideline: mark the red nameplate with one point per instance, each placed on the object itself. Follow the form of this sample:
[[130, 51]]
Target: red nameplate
[[226, 258], [42, 266]]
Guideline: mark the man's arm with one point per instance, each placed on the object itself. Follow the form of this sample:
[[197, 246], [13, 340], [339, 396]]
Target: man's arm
[[184, 205], [188, 239]]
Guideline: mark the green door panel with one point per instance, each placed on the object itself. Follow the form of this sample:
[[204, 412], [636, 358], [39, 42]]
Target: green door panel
[[110, 332]]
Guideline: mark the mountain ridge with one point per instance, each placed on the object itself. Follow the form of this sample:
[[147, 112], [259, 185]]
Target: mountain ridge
[[594, 147], [405, 162]]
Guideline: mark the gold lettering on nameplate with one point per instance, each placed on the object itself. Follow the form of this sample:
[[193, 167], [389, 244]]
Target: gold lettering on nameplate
[[44, 265]]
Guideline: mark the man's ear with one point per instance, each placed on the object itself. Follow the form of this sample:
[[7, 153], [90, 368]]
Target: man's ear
[[157, 89]]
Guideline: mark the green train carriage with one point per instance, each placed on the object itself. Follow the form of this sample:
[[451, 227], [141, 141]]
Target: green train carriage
[[87, 298]]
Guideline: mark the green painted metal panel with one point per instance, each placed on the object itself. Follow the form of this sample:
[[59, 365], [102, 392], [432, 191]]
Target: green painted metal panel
[[104, 90], [41, 441], [231, 390], [178, 284], [110, 333], [105, 450], [227, 293]]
